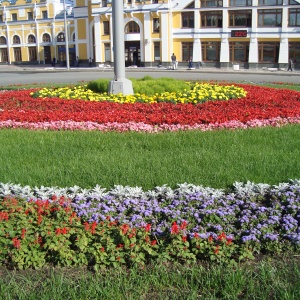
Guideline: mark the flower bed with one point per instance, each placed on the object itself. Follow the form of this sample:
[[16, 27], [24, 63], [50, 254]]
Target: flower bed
[[126, 225], [261, 107], [74, 227]]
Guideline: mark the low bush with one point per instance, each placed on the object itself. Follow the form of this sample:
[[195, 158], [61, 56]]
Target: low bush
[[146, 85]]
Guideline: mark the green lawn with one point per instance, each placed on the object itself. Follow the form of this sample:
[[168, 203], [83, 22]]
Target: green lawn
[[216, 159]]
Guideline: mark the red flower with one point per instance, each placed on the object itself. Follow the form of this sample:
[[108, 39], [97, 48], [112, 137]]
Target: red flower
[[183, 225], [153, 243], [3, 215], [221, 236], [174, 229], [124, 228], [93, 227], [40, 219], [23, 233], [86, 226], [228, 241], [148, 227], [184, 238], [16, 243]]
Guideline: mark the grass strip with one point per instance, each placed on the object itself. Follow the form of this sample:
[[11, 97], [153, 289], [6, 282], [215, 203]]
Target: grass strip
[[215, 159], [266, 279]]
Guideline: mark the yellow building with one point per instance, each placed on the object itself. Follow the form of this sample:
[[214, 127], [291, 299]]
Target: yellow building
[[251, 33], [34, 32]]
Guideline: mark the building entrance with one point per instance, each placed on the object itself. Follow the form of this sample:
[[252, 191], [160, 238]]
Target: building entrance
[[132, 53]]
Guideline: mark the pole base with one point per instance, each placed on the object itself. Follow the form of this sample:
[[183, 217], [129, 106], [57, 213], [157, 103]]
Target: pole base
[[121, 85]]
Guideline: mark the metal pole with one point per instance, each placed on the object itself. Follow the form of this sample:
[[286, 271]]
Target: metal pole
[[119, 84], [66, 36]]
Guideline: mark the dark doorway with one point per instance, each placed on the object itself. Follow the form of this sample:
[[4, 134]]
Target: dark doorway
[[132, 53], [47, 54]]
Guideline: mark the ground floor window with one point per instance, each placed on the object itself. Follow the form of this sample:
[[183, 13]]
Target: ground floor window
[[32, 53], [107, 57], [4, 55], [268, 52], [156, 51], [18, 54], [211, 51], [294, 51], [187, 50], [239, 51]]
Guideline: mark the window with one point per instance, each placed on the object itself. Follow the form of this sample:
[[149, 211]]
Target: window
[[240, 18], [1, 18], [211, 3], [61, 37], [293, 2], [31, 39], [104, 3], [106, 27], [14, 17], [187, 50], [16, 39], [74, 37], [32, 53], [211, 19], [269, 17], [107, 52], [294, 17], [154, 1], [294, 51], [44, 14], [132, 27], [2, 40], [187, 19], [269, 2], [30, 15], [156, 51], [268, 52], [46, 38], [211, 51], [240, 3], [239, 51], [156, 25]]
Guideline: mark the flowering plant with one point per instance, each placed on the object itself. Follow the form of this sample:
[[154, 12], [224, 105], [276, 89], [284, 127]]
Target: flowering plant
[[260, 107], [128, 226]]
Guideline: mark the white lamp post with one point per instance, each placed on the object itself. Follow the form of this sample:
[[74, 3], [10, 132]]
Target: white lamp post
[[66, 36], [119, 84]]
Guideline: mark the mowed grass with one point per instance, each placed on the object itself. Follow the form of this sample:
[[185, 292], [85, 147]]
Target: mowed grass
[[273, 279], [216, 159]]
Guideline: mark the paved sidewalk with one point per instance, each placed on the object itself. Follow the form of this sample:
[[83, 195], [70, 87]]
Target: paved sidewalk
[[44, 68]]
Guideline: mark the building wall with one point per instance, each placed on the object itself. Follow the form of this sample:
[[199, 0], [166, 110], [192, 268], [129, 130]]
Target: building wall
[[212, 45], [26, 19]]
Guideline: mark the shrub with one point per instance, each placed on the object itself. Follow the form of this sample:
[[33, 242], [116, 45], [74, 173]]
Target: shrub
[[99, 85]]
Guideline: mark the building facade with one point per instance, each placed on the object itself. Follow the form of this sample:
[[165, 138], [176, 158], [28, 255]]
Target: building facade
[[34, 33], [251, 33]]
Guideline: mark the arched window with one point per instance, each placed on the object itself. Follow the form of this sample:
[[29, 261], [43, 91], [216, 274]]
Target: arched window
[[46, 38], [16, 39], [132, 27], [61, 37], [3, 40], [31, 39]]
